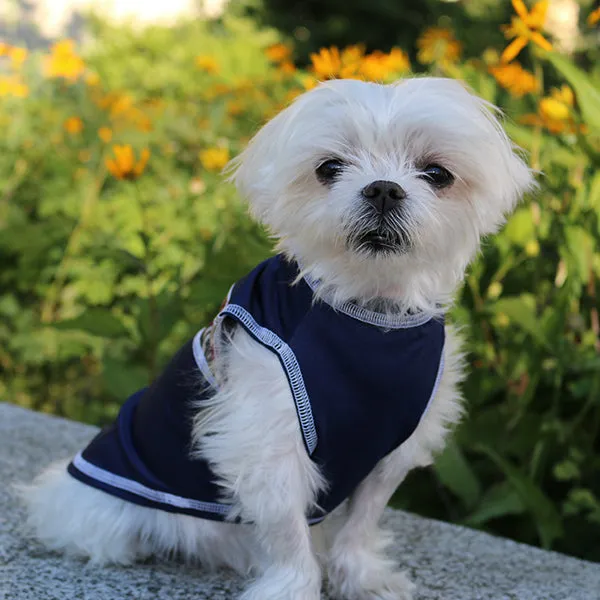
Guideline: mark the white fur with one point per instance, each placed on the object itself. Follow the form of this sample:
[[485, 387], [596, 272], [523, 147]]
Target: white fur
[[255, 445]]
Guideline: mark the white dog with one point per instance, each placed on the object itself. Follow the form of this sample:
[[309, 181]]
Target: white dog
[[329, 374]]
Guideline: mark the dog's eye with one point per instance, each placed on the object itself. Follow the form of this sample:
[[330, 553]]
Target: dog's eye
[[328, 171], [437, 176]]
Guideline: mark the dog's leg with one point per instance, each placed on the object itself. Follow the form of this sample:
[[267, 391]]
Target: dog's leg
[[358, 568], [249, 432]]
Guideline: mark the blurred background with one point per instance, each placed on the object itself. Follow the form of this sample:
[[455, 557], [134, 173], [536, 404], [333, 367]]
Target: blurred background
[[119, 237]]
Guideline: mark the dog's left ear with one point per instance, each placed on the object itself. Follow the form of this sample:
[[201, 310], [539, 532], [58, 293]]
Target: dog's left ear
[[510, 177]]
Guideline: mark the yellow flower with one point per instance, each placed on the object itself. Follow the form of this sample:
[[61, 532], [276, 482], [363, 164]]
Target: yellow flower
[[379, 66], [278, 53], [64, 62], [398, 61], [525, 27], [558, 106], [17, 56], [351, 58], [438, 45], [554, 111], [124, 165], [73, 125], [116, 103], [13, 86], [352, 63], [214, 159], [105, 134], [309, 83], [537, 121], [515, 79], [594, 17], [287, 67], [373, 68], [327, 63], [208, 64], [123, 111]]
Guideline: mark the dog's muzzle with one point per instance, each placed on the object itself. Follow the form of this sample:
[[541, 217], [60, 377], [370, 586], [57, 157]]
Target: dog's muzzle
[[381, 226]]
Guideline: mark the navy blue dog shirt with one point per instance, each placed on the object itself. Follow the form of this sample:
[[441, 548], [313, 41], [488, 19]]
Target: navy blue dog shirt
[[360, 380]]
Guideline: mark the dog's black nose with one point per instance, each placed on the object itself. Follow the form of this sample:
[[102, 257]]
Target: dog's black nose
[[383, 195]]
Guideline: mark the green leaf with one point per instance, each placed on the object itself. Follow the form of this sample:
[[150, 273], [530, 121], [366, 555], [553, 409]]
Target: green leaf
[[580, 245], [520, 228], [95, 321], [121, 380], [546, 517], [593, 197], [588, 95], [522, 312], [566, 470], [499, 501], [454, 471], [552, 149], [157, 316]]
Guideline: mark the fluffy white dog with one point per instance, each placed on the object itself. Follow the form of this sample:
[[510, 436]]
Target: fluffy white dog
[[329, 374]]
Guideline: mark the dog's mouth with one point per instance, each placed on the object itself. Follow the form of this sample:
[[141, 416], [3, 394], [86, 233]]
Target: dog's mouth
[[382, 241]]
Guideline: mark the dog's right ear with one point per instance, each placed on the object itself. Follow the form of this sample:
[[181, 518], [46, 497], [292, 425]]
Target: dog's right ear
[[279, 153], [257, 171]]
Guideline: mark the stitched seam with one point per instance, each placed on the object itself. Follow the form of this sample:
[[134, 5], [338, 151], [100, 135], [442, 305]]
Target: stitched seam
[[436, 384], [138, 489], [291, 366], [201, 361], [374, 318]]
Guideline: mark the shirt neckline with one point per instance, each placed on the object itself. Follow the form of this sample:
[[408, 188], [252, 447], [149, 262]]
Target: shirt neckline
[[371, 317]]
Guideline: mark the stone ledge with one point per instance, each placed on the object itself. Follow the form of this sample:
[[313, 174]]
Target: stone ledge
[[447, 562]]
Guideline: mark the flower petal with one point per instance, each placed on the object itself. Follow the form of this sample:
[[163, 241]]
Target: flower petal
[[513, 49], [113, 168], [537, 16], [520, 8], [541, 41], [594, 17]]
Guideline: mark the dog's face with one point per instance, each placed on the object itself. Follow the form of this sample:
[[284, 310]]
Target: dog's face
[[384, 190]]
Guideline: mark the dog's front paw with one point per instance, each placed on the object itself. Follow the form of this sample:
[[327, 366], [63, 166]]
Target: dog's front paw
[[285, 583], [357, 573]]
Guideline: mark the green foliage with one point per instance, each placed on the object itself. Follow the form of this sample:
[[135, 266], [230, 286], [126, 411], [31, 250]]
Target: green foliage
[[102, 278], [525, 461]]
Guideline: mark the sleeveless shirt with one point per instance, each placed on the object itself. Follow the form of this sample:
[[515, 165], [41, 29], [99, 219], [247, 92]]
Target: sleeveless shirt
[[360, 381]]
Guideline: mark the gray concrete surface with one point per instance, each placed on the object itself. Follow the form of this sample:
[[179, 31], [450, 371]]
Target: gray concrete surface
[[447, 562]]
